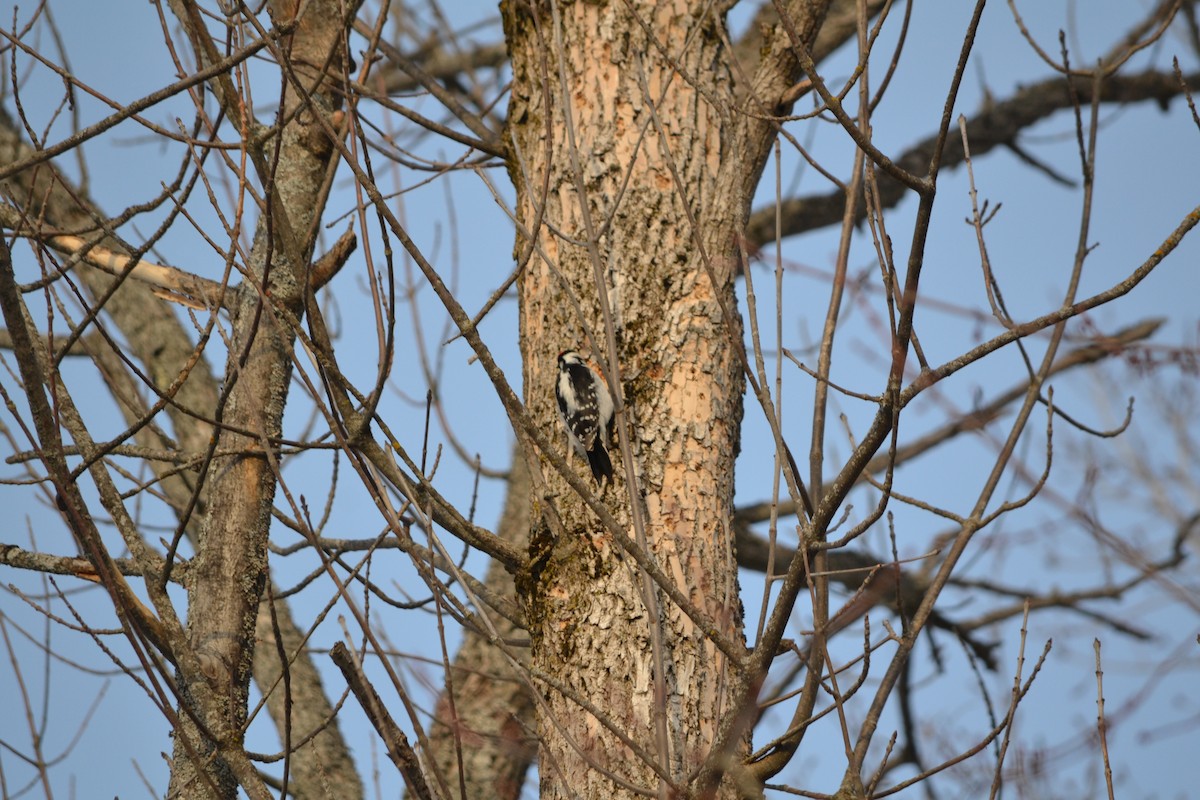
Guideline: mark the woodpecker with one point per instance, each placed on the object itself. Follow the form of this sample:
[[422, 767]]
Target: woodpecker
[[586, 408]]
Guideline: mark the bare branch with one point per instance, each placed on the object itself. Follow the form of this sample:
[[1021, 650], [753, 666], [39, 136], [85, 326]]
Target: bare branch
[[999, 124]]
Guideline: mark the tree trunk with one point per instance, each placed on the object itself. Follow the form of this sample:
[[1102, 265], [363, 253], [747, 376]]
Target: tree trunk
[[229, 571], [593, 621]]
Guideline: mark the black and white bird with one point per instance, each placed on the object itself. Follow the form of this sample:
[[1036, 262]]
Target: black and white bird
[[586, 408]]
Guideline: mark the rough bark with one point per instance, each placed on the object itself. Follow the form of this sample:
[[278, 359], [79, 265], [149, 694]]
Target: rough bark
[[649, 168], [647, 142]]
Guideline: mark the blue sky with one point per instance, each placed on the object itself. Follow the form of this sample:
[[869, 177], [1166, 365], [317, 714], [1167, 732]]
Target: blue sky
[[1147, 178]]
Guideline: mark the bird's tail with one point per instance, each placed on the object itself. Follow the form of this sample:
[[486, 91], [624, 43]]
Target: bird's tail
[[600, 463]]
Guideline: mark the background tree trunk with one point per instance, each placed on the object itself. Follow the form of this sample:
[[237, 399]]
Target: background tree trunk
[[161, 346], [485, 717]]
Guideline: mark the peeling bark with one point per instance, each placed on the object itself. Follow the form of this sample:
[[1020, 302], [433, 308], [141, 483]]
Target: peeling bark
[[628, 113]]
